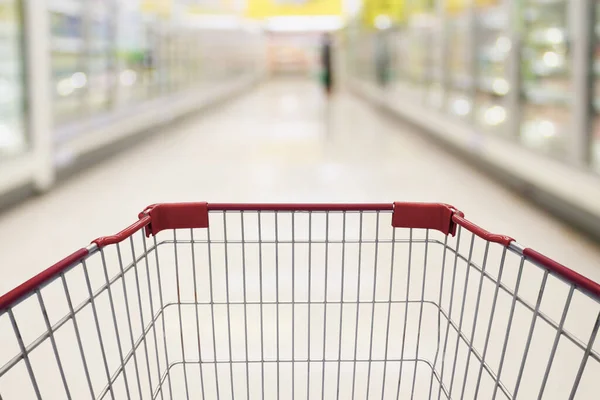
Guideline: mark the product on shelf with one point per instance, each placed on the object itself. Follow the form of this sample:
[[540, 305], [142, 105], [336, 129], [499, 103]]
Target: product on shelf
[[492, 47], [546, 76], [67, 49], [460, 80]]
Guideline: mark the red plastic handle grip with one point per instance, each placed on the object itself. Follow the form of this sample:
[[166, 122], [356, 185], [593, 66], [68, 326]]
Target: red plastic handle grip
[[176, 216], [425, 216], [124, 234], [482, 233]]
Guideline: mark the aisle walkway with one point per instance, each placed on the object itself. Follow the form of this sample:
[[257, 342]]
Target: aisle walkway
[[276, 144]]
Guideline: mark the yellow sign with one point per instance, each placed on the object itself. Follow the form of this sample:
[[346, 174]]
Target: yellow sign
[[456, 6], [487, 3], [380, 13], [421, 7], [260, 9], [158, 7]]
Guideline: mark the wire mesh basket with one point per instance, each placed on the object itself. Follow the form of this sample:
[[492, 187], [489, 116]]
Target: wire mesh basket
[[302, 301]]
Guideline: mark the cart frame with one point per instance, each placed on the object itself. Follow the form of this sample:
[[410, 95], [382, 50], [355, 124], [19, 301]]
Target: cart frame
[[429, 217]]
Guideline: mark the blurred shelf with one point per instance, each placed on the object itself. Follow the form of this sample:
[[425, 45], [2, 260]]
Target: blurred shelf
[[10, 29], [67, 7], [12, 102], [10, 67], [566, 192], [540, 95], [100, 44], [493, 19], [494, 85], [547, 36], [540, 68], [462, 81], [67, 45], [492, 56]]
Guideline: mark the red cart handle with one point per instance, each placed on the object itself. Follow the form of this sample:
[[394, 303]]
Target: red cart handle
[[159, 217]]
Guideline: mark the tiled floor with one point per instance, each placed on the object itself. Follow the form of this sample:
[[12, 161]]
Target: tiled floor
[[280, 143]]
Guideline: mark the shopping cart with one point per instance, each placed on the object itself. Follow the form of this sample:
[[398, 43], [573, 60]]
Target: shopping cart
[[256, 301]]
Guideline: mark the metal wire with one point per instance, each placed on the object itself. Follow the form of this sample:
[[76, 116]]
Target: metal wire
[[178, 280], [373, 305], [262, 325], [309, 300], [212, 313], [135, 360], [101, 340], [245, 309], [197, 316], [228, 305], [389, 314], [151, 306], [325, 305], [77, 335], [530, 334], [358, 281], [277, 301], [142, 323], [337, 390], [54, 347], [475, 314], [490, 323], [25, 355], [162, 315], [405, 312]]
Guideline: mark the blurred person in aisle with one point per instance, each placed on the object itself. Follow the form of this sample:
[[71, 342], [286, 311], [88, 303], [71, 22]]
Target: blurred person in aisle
[[382, 59], [327, 63]]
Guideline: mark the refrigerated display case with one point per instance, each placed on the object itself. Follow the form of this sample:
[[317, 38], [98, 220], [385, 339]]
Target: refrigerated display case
[[430, 28], [595, 139], [99, 54], [492, 49], [421, 57], [365, 53], [67, 46], [546, 76], [399, 55], [177, 71], [459, 61], [107, 55], [134, 64], [13, 132]]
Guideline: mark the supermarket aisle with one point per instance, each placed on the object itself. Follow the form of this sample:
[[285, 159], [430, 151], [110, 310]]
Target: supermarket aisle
[[279, 143]]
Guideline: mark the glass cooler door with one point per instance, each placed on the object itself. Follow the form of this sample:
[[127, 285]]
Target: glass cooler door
[[67, 43], [460, 80], [595, 139], [13, 137], [546, 76], [492, 56]]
